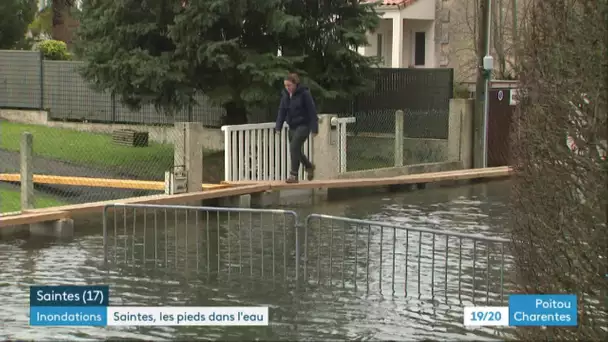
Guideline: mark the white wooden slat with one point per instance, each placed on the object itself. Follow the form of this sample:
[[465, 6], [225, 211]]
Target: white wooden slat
[[228, 152], [235, 157]]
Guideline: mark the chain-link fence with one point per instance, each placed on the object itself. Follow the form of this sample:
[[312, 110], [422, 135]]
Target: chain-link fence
[[85, 144], [560, 197], [72, 166], [373, 141], [29, 82], [423, 95]]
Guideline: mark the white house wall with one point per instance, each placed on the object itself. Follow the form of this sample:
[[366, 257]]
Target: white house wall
[[412, 26], [421, 10], [417, 17], [385, 28]]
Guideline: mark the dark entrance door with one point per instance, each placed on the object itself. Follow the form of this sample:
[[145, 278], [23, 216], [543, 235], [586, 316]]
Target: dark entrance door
[[499, 127]]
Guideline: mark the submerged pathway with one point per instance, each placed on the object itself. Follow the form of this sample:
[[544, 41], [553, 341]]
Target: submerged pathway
[[74, 194]]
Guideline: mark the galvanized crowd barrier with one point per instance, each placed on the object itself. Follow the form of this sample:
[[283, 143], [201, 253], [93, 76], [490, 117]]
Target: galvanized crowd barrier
[[202, 239], [321, 250], [349, 252]]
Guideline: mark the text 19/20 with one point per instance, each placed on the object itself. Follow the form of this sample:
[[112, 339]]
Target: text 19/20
[[486, 315]]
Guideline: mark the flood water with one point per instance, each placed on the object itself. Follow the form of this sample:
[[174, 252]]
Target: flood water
[[358, 281]]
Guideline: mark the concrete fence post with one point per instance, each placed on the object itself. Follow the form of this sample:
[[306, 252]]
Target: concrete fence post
[[27, 171], [188, 152], [399, 135], [326, 149], [460, 131]]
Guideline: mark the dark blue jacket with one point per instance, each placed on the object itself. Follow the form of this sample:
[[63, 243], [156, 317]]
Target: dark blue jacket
[[298, 110]]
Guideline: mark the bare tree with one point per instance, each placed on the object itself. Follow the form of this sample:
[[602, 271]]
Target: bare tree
[[508, 18], [560, 196], [463, 28]]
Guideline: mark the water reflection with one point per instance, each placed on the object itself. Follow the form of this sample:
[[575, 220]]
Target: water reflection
[[249, 261]]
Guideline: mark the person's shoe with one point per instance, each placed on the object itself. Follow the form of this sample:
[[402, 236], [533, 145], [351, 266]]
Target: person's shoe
[[292, 179], [310, 173]]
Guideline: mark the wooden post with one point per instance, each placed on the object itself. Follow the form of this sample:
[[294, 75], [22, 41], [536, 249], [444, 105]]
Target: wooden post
[[399, 135], [27, 174]]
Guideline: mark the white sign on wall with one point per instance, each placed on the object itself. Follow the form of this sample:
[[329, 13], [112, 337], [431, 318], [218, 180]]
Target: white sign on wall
[[513, 98]]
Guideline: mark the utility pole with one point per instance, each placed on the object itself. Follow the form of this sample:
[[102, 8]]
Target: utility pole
[[482, 87]]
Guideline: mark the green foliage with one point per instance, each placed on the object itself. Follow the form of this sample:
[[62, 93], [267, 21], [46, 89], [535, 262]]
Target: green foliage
[[15, 16], [54, 50], [26, 43], [43, 22], [127, 51], [161, 52], [328, 34]]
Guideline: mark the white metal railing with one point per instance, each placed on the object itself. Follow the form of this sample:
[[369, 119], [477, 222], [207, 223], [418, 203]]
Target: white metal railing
[[254, 152]]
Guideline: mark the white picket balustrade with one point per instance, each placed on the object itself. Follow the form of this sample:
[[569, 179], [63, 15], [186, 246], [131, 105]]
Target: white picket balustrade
[[254, 152]]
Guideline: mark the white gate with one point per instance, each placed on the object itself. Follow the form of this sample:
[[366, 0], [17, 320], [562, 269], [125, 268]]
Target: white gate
[[254, 152]]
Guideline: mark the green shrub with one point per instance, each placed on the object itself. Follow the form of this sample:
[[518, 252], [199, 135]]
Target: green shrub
[[54, 50]]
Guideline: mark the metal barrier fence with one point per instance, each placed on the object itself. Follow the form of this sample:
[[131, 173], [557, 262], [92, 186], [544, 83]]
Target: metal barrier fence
[[28, 81], [323, 251], [403, 259], [216, 241]]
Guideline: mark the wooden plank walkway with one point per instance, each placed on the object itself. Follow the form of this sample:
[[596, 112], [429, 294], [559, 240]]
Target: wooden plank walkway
[[244, 188], [55, 213], [29, 218], [431, 177], [100, 182]]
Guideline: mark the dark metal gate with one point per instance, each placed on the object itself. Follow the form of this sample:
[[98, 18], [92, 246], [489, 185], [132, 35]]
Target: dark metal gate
[[499, 127]]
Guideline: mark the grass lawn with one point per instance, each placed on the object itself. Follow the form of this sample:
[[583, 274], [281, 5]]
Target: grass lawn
[[97, 150], [10, 200]]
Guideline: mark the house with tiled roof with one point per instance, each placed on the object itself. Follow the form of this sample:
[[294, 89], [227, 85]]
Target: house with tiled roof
[[440, 34], [406, 36]]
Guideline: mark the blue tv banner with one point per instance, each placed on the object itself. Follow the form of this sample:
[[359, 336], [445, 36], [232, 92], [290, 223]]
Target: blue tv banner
[[89, 306], [57, 316], [69, 316], [69, 296], [543, 310]]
